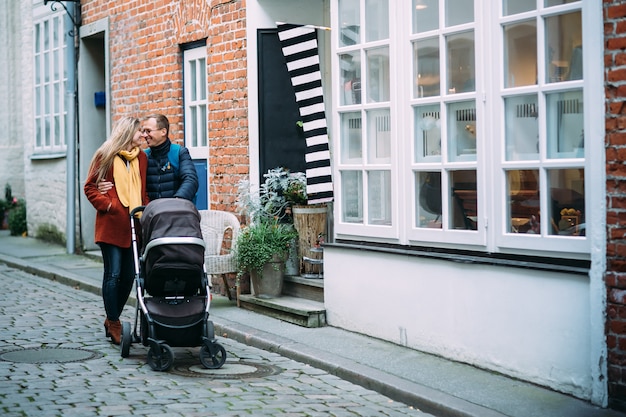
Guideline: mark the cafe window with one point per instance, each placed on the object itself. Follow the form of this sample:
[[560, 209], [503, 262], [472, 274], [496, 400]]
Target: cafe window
[[461, 123]]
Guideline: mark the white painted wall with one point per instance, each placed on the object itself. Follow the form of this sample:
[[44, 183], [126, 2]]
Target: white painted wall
[[525, 323]]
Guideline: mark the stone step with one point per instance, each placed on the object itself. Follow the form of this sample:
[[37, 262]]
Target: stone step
[[300, 311], [307, 288]]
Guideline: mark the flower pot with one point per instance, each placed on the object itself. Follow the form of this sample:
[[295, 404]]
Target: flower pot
[[270, 284], [292, 264], [310, 222]]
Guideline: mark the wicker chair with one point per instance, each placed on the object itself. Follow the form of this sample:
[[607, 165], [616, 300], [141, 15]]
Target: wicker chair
[[215, 227]]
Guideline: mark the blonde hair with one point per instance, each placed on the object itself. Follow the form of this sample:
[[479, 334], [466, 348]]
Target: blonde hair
[[122, 135]]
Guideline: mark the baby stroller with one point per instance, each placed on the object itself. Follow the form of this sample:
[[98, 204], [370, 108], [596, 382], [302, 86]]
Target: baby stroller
[[171, 271]]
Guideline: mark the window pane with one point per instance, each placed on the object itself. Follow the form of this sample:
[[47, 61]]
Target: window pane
[[425, 15], [520, 54], [37, 38], [567, 202], [564, 53], [462, 131], [349, 22], [202, 115], [352, 196], [379, 136], [426, 68], [47, 131], [427, 134], [46, 67], [428, 199], [193, 140], [550, 3], [55, 32], [37, 69], [464, 201], [510, 7], [379, 197], [46, 36], [565, 124], [57, 131], [202, 79], [376, 20], [459, 12], [38, 133], [57, 98], [351, 146], [523, 204], [192, 79], [521, 127], [460, 71], [378, 75], [350, 65]]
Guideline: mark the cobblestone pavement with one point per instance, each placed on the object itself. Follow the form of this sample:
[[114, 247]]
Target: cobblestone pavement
[[41, 318]]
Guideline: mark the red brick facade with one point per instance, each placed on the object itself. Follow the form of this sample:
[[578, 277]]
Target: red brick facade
[[615, 141], [145, 39]]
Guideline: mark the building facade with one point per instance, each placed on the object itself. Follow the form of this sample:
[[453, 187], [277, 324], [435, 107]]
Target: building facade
[[476, 151]]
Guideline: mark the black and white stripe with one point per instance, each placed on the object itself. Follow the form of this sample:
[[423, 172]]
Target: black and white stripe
[[299, 45]]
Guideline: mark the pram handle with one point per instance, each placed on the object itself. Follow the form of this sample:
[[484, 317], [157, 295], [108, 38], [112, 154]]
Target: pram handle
[[136, 210]]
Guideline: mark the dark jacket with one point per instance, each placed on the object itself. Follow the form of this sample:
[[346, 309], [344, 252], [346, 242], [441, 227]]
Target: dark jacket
[[112, 218], [163, 181]]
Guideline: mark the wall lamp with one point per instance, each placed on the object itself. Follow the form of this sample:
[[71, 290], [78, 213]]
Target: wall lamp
[[53, 7]]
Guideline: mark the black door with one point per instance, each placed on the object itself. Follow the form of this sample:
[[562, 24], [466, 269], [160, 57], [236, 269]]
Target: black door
[[281, 140]]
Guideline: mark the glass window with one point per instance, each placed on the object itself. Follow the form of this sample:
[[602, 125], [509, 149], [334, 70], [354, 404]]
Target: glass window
[[523, 201], [427, 145], [50, 77], [462, 131], [460, 70], [376, 20], [426, 68], [520, 54], [423, 152], [351, 196], [510, 7], [522, 128], [377, 75], [428, 201], [195, 99], [349, 22], [350, 64], [425, 15], [459, 12], [564, 47]]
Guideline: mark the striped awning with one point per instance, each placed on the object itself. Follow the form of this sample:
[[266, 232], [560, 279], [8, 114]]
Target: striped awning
[[299, 45]]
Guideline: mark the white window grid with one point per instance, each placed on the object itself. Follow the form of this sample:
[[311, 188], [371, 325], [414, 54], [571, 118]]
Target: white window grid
[[196, 102]]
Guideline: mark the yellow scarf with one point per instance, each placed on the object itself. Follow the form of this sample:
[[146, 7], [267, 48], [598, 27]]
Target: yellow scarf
[[127, 178]]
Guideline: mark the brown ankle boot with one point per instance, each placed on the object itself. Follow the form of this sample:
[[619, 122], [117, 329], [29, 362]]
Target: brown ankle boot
[[107, 323], [115, 329]]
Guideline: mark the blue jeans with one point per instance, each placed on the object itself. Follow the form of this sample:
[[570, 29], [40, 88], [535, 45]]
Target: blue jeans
[[118, 278]]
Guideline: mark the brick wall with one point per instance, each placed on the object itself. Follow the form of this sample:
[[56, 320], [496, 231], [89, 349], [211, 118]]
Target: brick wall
[[146, 74], [615, 79]]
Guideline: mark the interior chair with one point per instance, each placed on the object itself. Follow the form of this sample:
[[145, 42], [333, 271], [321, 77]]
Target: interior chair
[[219, 231]]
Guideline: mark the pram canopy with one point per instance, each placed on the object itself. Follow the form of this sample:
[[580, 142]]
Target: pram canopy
[[174, 266]]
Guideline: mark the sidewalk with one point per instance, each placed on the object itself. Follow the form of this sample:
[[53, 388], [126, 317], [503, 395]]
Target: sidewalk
[[434, 385]]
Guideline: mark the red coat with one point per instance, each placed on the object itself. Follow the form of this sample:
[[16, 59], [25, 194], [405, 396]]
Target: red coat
[[113, 225]]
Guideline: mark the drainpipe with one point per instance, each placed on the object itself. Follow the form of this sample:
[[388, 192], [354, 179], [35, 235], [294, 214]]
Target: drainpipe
[[71, 33]]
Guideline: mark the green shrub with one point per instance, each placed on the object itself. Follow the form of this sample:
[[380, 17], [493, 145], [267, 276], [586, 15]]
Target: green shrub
[[49, 233], [17, 219]]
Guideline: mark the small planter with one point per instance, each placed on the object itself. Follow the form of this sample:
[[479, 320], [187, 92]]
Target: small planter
[[270, 283]]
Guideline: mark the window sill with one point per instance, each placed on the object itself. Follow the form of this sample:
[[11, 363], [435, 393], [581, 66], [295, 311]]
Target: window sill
[[463, 256], [48, 155]]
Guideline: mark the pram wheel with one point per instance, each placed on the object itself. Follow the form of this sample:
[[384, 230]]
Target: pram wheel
[[212, 361], [161, 361], [126, 340]]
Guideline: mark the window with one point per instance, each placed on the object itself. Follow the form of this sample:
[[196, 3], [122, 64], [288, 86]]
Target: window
[[196, 103], [448, 135], [50, 78]]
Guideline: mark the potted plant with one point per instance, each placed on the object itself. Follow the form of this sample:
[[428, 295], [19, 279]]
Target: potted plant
[[262, 248], [264, 244]]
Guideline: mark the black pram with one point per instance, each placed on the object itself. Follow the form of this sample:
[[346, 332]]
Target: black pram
[[170, 269]]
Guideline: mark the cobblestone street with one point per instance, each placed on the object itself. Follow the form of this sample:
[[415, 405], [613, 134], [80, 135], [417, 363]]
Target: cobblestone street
[[40, 317]]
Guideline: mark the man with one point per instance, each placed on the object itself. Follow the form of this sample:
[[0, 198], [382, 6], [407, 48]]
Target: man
[[164, 179]]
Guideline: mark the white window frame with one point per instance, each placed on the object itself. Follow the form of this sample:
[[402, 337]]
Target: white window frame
[[49, 86], [491, 235], [195, 92]]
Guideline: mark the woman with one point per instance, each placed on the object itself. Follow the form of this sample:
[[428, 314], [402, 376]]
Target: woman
[[121, 161]]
